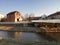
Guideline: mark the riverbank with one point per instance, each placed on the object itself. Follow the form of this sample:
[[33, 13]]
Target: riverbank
[[17, 42], [52, 32], [53, 29]]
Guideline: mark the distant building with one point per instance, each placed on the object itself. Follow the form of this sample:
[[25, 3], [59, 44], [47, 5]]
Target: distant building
[[14, 16], [54, 15], [43, 17], [38, 18], [1, 17], [34, 18]]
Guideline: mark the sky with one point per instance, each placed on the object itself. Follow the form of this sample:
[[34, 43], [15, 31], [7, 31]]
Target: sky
[[37, 7]]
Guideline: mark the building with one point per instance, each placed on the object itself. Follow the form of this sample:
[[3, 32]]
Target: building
[[54, 15], [14, 16], [1, 17], [34, 18]]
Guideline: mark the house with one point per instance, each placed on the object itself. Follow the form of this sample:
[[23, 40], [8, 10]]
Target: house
[[14, 16], [54, 15]]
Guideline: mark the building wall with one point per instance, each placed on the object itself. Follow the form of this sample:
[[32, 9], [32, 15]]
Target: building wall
[[10, 18], [17, 15], [14, 17]]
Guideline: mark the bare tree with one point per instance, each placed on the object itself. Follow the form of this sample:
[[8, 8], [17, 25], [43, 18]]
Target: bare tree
[[26, 16], [31, 16]]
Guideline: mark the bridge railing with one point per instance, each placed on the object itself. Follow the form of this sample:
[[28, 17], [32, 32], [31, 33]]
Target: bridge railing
[[48, 21]]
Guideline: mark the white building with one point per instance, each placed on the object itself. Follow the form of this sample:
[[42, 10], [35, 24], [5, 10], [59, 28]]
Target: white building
[[1, 16], [54, 15]]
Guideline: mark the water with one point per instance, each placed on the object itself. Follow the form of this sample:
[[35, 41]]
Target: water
[[20, 35], [25, 36]]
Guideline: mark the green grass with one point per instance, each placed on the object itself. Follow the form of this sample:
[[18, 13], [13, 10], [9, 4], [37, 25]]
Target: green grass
[[10, 41]]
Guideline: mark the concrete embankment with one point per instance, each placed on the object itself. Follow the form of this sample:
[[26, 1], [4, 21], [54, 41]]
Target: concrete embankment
[[19, 28]]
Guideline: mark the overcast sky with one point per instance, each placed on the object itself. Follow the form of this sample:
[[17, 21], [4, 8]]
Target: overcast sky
[[38, 7]]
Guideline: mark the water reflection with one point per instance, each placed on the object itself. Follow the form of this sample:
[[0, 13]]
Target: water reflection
[[10, 34], [22, 36], [18, 35]]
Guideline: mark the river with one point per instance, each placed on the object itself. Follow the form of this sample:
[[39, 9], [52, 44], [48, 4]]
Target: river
[[26, 36]]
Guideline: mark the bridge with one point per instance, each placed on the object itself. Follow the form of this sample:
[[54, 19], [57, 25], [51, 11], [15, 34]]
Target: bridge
[[53, 22], [48, 25], [29, 26]]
